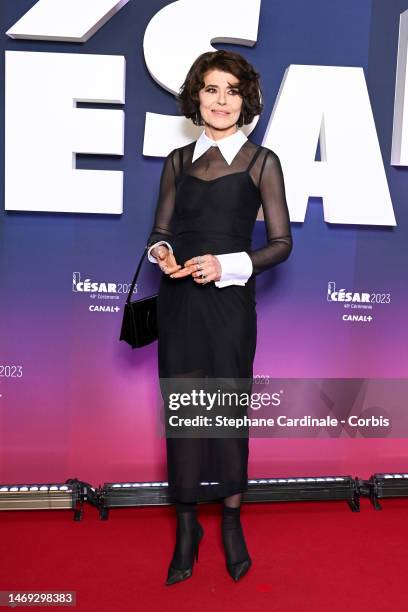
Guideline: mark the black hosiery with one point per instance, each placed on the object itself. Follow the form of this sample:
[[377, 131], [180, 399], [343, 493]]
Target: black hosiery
[[233, 501], [186, 506], [186, 535], [232, 535]]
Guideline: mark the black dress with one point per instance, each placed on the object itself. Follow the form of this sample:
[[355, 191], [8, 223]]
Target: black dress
[[210, 207]]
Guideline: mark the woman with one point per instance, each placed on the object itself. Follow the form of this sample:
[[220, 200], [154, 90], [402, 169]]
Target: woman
[[210, 193]]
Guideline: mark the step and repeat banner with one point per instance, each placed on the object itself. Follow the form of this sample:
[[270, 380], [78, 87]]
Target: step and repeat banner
[[89, 115]]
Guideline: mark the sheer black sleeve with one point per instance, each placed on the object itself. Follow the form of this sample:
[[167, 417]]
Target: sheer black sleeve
[[276, 215], [162, 224]]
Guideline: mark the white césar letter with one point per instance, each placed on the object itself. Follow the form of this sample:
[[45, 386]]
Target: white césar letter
[[44, 131], [399, 150], [69, 20], [330, 103]]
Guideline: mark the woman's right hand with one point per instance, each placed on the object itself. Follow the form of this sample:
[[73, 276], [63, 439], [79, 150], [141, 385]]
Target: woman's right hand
[[165, 259]]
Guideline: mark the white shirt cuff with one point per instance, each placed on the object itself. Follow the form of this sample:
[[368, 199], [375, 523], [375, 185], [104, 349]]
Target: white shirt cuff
[[236, 268], [151, 257]]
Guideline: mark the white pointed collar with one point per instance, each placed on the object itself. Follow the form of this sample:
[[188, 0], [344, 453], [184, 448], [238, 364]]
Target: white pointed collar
[[229, 145]]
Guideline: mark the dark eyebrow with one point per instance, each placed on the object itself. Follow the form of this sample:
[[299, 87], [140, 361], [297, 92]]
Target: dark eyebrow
[[210, 85]]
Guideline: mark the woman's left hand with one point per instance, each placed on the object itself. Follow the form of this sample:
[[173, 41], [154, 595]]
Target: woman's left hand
[[207, 265]]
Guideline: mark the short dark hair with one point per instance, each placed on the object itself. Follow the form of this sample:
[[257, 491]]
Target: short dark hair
[[227, 61]]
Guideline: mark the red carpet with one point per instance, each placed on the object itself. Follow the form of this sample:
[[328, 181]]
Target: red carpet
[[309, 556]]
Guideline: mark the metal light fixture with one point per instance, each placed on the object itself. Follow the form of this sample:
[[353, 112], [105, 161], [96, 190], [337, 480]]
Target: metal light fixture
[[387, 485], [304, 488], [128, 494], [47, 496]]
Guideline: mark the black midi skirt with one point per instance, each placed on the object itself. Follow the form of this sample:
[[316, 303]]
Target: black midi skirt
[[207, 336]]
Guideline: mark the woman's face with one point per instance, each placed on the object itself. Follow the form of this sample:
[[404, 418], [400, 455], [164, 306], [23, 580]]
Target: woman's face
[[220, 101]]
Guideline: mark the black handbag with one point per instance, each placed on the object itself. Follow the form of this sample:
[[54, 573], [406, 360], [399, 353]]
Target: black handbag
[[139, 324]]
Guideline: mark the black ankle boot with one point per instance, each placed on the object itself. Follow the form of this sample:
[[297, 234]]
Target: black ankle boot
[[188, 536], [236, 552]]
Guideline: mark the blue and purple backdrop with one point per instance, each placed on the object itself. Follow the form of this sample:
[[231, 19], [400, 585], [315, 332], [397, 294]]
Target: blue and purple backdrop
[[76, 402]]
